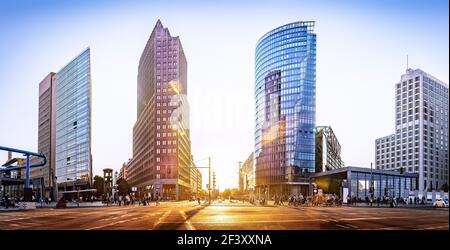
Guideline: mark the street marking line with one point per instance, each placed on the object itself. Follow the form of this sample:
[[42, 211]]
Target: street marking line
[[436, 227], [160, 220], [186, 221], [352, 226], [112, 224]]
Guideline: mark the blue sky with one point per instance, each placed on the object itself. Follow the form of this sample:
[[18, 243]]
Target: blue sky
[[361, 53]]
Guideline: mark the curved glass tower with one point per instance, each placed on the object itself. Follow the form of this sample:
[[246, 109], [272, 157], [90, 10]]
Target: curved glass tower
[[285, 108]]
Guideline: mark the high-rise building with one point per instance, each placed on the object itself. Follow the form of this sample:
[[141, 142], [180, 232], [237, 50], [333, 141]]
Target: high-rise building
[[64, 129], [43, 177], [73, 159], [328, 150], [420, 142], [285, 85], [161, 145]]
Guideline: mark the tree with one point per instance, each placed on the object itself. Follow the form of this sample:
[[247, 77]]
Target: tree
[[203, 193], [445, 187], [99, 184], [226, 193], [124, 187]]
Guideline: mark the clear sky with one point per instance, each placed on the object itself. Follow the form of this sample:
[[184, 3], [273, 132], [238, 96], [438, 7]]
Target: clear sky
[[361, 53]]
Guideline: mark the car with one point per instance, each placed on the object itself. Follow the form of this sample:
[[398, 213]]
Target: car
[[440, 203]]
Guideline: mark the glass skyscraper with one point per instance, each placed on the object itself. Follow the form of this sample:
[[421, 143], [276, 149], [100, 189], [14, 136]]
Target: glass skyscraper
[[285, 108], [73, 120]]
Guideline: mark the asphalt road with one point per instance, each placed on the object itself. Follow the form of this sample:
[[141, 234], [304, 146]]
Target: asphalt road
[[235, 216]]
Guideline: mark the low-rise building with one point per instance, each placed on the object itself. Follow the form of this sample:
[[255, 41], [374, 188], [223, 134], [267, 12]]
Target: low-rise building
[[361, 183], [196, 180]]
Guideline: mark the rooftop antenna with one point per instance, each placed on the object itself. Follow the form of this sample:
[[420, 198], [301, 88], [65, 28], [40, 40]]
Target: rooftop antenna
[[407, 63]]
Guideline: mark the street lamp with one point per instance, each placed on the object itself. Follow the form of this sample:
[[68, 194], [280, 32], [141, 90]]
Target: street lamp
[[209, 178], [371, 189]]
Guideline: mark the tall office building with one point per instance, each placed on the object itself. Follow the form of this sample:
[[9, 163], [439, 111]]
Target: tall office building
[[64, 128], [161, 145], [42, 178], [73, 160], [420, 142], [328, 150], [285, 85]]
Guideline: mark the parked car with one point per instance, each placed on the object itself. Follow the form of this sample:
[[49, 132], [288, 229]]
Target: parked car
[[440, 203]]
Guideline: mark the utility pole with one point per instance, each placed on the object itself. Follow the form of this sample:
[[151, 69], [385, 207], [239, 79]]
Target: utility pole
[[371, 185], [209, 181], [240, 180]]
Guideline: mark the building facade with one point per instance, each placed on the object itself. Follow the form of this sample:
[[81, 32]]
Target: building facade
[[44, 177], [108, 181], [123, 171], [196, 181], [73, 159], [285, 85], [328, 150], [247, 175], [64, 129], [420, 142], [358, 182], [161, 137]]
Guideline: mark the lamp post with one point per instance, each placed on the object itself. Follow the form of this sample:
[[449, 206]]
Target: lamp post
[[209, 178], [209, 181], [371, 185]]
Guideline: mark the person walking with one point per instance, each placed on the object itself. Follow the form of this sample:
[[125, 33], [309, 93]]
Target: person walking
[[6, 201]]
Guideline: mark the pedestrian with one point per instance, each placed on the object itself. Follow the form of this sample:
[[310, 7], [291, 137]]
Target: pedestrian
[[6, 201]]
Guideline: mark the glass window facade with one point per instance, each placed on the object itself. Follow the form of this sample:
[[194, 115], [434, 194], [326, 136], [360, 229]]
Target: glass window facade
[[285, 89], [73, 120], [384, 185]]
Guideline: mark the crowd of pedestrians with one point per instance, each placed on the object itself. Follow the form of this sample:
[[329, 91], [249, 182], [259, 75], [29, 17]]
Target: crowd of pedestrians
[[129, 199], [385, 201], [298, 200]]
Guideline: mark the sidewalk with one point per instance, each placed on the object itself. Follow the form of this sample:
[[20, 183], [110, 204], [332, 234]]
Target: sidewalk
[[75, 204], [388, 206], [11, 209]]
